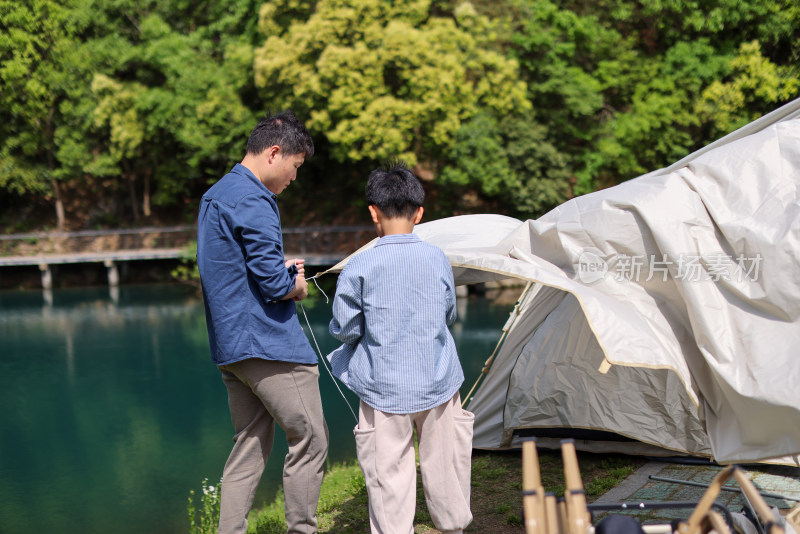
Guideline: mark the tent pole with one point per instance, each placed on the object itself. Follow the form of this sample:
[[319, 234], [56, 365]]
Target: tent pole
[[514, 313], [485, 370]]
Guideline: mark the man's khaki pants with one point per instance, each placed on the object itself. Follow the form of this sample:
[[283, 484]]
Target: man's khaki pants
[[385, 448], [260, 394]]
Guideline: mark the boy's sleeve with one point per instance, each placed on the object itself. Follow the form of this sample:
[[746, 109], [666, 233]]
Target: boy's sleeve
[[347, 324]]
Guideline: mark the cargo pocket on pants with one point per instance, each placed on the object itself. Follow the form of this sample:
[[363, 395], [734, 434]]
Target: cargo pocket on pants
[[463, 453], [367, 459]]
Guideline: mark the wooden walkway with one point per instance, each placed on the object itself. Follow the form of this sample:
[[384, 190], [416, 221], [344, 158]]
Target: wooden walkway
[[92, 257], [319, 246]]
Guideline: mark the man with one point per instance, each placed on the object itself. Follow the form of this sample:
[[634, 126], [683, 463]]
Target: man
[[266, 361]]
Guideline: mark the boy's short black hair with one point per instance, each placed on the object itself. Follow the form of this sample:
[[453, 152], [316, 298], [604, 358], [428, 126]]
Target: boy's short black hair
[[395, 190], [283, 129]]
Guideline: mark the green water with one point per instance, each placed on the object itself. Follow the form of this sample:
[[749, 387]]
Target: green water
[[112, 410]]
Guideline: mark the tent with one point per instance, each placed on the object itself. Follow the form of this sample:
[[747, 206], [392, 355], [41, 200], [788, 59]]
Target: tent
[[661, 316]]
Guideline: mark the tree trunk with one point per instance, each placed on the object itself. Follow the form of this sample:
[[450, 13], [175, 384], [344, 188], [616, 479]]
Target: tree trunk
[[146, 194], [131, 191], [61, 222]]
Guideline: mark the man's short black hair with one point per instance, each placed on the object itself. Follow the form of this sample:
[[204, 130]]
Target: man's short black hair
[[395, 190], [283, 129]]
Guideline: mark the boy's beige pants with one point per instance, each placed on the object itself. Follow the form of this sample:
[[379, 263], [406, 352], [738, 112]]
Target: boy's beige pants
[[385, 448]]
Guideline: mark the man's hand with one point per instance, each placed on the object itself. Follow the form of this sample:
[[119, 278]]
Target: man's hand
[[299, 263], [300, 290]]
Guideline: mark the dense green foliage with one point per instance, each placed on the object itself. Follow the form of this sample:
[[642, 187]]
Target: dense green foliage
[[120, 112]]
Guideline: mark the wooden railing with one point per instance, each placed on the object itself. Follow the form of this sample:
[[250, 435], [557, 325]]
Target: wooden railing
[[319, 245], [96, 241], [332, 241]]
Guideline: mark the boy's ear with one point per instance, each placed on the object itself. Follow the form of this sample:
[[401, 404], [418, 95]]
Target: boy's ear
[[374, 213], [418, 216]]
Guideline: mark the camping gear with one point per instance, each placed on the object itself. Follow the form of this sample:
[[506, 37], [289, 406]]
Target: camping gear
[[545, 514], [663, 314], [703, 517], [724, 488]]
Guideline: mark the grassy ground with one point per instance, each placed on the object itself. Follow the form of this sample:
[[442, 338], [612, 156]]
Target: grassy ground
[[496, 493]]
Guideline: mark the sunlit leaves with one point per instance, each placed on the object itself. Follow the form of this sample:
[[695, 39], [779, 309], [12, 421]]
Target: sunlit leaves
[[754, 86], [40, 67], [385, 79], [625, 88]]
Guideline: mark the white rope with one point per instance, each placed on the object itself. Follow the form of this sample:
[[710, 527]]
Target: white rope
[[321, 357], [314, 278]]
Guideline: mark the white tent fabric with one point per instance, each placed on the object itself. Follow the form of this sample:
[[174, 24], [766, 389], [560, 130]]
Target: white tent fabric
[[665, 309]]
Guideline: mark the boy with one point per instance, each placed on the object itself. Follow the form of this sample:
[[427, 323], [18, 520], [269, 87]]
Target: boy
[[392, 308]]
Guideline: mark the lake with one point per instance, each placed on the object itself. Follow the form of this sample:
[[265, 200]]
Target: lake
[[113, 411]]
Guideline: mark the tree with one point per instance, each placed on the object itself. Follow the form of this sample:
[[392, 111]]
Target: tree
[[385, 79], [512, 160], [754, 86], [42, 69], [170, 110], [579, 70], [659, 124], [149, 91], [627, 87]]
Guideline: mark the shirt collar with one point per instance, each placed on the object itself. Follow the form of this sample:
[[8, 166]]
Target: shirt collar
[[398, 239], [247, 173]]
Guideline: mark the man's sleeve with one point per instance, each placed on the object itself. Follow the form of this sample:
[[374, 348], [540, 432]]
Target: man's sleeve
[[259, 228], [347, 324]]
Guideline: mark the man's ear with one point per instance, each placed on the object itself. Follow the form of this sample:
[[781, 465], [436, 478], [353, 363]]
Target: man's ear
[[272, 152], [418, 216], [374, 213]]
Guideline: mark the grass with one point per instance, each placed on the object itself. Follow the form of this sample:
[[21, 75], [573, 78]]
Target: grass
[[496, 493], [342, 505]]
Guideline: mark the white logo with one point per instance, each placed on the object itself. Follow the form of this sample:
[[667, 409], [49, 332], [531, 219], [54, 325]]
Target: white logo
[[591, 267]]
